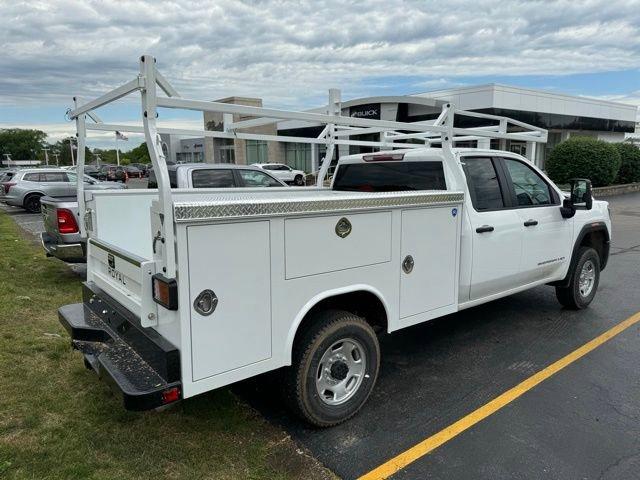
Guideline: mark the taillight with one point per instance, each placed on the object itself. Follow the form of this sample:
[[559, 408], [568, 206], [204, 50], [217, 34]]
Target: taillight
[[383, 157], [165, 291], [7, 186], [66, 221]]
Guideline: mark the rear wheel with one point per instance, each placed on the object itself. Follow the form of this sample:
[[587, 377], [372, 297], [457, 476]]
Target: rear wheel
[[584, 281], [32, 203], [299, 180], [335, 366]]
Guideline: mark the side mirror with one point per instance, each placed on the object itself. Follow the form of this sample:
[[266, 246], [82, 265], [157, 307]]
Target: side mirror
[[567, 210], [581, 195], [580, 198]]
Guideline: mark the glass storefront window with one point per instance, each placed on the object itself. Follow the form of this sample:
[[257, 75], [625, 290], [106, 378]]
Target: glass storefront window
[[257, 151], [298, 156]]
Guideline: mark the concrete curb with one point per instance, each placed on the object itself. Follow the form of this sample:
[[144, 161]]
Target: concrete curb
[[612, 190]]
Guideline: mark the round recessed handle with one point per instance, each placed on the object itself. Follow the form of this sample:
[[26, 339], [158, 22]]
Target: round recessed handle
[[205, 303], [407, 264], [343, 227]]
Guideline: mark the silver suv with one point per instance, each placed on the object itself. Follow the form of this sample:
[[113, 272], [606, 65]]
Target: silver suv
[[26, 187]]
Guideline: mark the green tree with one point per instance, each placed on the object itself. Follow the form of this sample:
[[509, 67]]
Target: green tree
[[22, 144], [630, 163], [139, 154], [62, 148], [584, 157]]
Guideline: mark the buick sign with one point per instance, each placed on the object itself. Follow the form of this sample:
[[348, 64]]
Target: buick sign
[[369, 110]]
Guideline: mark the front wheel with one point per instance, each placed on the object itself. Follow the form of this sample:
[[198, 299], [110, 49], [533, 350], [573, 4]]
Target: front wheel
[[584, 281], [335, 366], [299, 180]]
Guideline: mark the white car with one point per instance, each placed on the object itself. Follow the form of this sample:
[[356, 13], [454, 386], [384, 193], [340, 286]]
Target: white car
[[283, 172]]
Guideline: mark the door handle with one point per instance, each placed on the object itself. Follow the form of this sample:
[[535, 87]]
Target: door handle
[[484, 228], [530, 223]]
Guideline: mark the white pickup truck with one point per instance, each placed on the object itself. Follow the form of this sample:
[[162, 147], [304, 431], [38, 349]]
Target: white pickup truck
[[188, 291]]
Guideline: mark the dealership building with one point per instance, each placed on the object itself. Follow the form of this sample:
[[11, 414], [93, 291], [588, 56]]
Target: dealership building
[[562, 115]]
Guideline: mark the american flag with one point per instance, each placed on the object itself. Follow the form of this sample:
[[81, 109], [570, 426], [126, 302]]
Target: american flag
[[120, 136]]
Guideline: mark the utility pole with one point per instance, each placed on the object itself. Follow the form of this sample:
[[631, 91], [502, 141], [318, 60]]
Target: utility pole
[[46, 155], [57, 155]]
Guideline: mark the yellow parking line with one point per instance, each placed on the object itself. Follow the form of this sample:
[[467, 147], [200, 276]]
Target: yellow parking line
[[428, 445]]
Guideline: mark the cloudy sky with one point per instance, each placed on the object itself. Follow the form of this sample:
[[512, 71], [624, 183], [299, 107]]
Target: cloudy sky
[[290, 52]]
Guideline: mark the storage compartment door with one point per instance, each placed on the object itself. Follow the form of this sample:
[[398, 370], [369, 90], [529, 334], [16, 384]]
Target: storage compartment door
[[428, 278], [233, 261]]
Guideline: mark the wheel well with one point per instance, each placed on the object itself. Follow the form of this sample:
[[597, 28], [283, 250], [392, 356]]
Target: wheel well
[[32, 194], [362, 303], [595, 239]]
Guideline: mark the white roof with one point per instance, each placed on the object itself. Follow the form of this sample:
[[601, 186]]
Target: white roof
[[533, 100]]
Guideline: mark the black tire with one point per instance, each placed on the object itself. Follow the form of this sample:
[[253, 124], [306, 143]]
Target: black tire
[[299, 180], [327, 329], [32, 203], [574, 296]]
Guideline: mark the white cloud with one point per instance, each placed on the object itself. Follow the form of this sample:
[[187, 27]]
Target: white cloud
[[290, 52]]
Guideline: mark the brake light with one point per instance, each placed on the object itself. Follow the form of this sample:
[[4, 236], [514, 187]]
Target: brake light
[[67, 221], [384, 157], [165, 291], [7, 186]]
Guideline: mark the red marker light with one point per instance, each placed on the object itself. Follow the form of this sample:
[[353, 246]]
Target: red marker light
[[171, 395]]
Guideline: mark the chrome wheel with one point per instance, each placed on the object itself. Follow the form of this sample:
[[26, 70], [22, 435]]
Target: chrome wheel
[[587, 278], [341, 371]]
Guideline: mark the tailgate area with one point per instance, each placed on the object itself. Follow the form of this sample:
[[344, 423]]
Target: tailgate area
[[138, 362]]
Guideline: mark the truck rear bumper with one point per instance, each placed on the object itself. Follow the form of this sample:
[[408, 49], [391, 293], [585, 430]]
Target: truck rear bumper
[[69, 252], [137, 362]]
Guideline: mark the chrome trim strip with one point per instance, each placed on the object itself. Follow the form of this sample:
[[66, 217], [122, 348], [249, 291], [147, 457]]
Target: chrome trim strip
[[128, 257], [224, 207]]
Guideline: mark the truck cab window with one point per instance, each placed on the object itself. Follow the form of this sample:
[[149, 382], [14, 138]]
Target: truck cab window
[[390, 177], [530, 188], [484, 186], [253, 178], [212, 178]]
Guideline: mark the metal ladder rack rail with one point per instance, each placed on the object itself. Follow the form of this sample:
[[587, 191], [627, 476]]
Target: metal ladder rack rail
[[337, 131]]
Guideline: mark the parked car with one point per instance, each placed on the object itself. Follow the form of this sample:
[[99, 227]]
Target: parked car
[[111, 173], [284, 172], [216, 175], [27, 186], [132, 172], [61, 238], [92, 170], [143, 167]]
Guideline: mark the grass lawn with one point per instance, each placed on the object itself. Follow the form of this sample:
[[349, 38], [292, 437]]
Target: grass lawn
[[58, 421]]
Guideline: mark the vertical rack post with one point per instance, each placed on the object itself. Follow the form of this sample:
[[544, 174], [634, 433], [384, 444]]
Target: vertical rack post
[[334, 108], [81, 132], [165, 202]]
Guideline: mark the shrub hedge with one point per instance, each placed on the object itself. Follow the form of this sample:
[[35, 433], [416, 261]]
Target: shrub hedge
[[630, 163], [584, 157]]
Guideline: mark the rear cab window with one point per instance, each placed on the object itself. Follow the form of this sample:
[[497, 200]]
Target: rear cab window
[[212, 178], [390, 176]]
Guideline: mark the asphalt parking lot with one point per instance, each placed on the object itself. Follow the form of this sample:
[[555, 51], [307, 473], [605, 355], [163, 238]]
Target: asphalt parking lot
[[583, 422]]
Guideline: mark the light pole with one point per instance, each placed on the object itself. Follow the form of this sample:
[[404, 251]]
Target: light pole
[[57, 155], [46, 156], [71, 147]]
